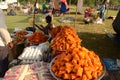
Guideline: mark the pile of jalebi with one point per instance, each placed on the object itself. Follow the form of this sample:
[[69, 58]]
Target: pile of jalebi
[[55, 30], [37, 37], [77, 64], [74, 61], [65, 39], [21, 33], [20, 37]]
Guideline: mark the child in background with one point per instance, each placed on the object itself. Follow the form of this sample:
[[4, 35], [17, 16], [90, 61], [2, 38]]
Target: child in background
[[88, 14]]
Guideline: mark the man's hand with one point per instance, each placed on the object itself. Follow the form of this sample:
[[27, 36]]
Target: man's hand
[[11, 45]]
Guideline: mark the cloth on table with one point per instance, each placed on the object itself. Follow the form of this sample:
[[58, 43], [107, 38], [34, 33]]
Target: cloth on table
[[112, 69], [35, 71], [111, 64]]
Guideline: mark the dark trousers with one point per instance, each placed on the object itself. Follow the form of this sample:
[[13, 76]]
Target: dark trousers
[[3, 66]]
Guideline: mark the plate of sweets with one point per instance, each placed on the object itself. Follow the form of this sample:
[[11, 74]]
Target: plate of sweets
[[77, 64]]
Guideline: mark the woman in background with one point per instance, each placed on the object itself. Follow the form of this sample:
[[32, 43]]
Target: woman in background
[[64, 6], [80, 6]]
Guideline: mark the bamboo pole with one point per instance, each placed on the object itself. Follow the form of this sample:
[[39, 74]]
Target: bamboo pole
[[34, 14], [75, 17], [69, 7]]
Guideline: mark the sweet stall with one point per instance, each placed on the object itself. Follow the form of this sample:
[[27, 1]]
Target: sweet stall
[[62, 58], [36, 56]]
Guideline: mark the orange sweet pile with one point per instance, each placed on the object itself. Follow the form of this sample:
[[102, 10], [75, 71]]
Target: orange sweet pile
[[77, 64], [74, 62], [19, 33], [55, 30], [19, 37], [66, 39], [37, 37]]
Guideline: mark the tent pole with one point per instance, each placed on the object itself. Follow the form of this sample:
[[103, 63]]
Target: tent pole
[[75, 17], [107, 5], [69, 8], [34, 14], [69, 5]]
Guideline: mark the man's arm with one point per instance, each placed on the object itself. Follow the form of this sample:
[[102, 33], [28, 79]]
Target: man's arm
[[40, 27], [5, 36]]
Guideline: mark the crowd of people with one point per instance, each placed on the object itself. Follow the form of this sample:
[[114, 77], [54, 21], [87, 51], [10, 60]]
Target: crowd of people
[[57, 6]]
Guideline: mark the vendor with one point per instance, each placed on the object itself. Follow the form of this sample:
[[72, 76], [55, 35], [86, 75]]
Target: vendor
[[5, 38], [48, 27]]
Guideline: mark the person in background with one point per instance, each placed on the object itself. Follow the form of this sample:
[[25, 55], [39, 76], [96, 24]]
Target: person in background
[[5, 39], [18, 6], [50, 7], [88, 15], [37, 8], [102, 11], [11, 13], [44, 8], [28, 4], [56, 4], [64, 6], [80, 6]]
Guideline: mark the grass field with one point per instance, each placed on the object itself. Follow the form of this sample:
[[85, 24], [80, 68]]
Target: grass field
[[93, 35]]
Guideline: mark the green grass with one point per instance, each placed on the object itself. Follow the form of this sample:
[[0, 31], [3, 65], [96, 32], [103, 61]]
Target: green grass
[[93, 35]]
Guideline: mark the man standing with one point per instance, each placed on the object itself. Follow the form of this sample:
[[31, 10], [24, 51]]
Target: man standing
[[102, 11], [79, 6], [5, 38]]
